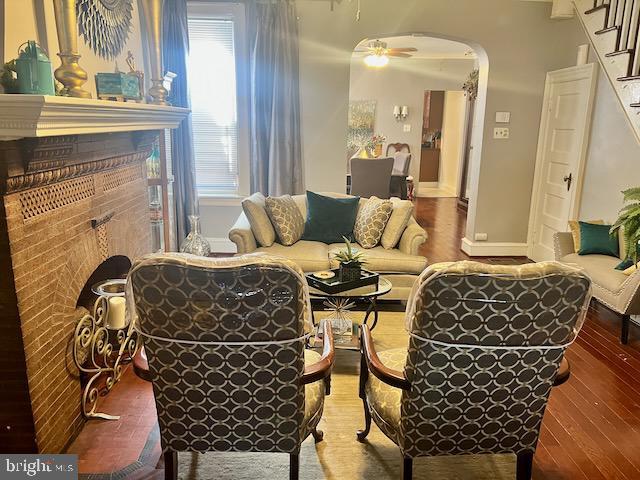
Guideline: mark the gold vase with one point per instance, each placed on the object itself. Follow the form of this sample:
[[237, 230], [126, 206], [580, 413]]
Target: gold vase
[[69, 73], [153, 20]]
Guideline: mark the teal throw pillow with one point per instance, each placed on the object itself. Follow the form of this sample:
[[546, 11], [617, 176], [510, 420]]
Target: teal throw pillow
[[329, 219], [624, 264], [597, 239]]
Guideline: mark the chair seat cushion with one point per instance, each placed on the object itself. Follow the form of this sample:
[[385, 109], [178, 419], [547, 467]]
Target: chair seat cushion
[[601, 269], [383, 399], [382, 260], [313, 395], [310, 256]]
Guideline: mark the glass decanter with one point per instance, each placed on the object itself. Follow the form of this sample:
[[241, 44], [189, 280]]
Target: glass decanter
[[195, 243]]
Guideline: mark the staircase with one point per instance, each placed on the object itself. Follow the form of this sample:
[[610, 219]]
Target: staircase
[[613, 27]]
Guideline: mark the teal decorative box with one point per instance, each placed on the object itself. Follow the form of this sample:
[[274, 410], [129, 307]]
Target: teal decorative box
[[118, 86]]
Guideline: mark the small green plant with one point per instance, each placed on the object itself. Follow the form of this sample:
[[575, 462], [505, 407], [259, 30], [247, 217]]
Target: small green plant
[[8, 77], [629, 218], [350, 255]]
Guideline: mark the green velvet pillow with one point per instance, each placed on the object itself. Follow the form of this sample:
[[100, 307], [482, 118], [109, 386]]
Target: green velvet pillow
[[597, 239], [329, 219]]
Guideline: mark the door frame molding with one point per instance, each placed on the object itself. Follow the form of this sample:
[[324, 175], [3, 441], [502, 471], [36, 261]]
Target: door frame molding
[[588, 70]]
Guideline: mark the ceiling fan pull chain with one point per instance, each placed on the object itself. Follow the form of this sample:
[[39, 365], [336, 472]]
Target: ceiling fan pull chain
[[358, 12]]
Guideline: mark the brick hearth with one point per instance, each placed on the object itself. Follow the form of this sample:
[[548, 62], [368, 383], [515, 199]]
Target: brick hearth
[[50, 191]]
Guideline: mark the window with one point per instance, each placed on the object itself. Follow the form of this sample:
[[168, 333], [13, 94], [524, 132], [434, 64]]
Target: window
[[219, 133]]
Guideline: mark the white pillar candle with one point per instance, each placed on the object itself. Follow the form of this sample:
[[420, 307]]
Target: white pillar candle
[[116, 317]]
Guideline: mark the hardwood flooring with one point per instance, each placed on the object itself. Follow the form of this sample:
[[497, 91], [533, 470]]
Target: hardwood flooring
[[591, 429]]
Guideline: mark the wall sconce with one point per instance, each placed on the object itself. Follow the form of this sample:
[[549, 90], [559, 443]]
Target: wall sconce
[[400, 112]]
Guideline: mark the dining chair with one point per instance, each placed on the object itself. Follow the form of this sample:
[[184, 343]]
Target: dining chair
[[371, 177], [485, 346], [225, 342]]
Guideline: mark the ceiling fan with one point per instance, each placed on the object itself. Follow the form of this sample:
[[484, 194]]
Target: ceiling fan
[[378, 53]]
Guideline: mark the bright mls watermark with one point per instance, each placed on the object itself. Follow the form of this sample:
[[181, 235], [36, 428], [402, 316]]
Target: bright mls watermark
[[47, 467]]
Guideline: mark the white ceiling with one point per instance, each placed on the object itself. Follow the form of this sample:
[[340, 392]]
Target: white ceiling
[[428, 47]]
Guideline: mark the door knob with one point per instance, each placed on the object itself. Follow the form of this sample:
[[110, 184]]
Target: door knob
[[568, 179]]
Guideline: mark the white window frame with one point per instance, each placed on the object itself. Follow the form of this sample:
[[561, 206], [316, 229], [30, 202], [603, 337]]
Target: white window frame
[[235, 12]]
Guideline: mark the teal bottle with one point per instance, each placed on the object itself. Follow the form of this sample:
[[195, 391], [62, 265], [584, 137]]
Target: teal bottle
[[34, 70]]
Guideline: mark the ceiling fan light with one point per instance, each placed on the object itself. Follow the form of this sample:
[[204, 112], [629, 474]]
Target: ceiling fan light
[[376, 61]]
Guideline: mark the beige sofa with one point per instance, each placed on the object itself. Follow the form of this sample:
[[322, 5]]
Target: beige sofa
[[401, 265], [619, 292]]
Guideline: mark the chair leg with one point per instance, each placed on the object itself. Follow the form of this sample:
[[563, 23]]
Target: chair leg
[[524, 466], [362, 434], [294, 466], [407, 468], [318, 435], [624, 336], [170, 465]]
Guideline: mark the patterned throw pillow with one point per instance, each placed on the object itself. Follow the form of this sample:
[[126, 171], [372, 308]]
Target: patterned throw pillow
[[254, 209], [371, 220], [286, 218]]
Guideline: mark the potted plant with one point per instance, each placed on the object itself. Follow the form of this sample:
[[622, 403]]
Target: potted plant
[[629, 218], [351, 261]]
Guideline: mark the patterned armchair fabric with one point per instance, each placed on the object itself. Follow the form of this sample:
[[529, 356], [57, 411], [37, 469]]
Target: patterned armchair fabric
[[225, 341], [485, 346]]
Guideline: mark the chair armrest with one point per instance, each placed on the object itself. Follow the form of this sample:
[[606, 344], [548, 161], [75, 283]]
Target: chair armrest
[[322, 368], [563, 244], [242, 235], [412, 237], [375, 366]]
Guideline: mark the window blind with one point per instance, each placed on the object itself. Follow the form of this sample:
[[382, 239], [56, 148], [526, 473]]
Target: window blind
[[212, 87]]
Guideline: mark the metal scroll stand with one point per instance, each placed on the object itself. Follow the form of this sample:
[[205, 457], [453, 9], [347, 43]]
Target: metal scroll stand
[[99, 349]]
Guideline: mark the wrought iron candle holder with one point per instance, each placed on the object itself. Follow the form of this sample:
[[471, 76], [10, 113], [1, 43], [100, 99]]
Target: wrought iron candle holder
[[99, 351]]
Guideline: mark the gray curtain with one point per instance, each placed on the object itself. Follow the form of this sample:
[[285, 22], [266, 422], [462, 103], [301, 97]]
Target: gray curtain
[[175, 50], [276, 158]]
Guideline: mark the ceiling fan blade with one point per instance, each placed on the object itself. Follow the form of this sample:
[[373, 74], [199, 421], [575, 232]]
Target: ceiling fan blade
[[397, 54], [407, 49]]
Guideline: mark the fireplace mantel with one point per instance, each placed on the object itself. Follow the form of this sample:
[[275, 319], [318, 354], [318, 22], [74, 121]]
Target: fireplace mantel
[[46, 115]]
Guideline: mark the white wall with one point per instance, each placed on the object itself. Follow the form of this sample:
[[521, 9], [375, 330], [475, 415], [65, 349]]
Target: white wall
[[453, 123], [403, 82], [34, 20], [613, 158]]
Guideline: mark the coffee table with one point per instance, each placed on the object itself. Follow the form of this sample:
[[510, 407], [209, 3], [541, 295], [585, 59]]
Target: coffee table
[[346, 331]]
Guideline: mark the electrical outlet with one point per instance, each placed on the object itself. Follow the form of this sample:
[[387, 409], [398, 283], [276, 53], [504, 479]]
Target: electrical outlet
[[406, 128], [501, 133], [481, 237]]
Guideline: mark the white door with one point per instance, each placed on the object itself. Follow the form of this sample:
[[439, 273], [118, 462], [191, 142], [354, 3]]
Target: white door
[[562, 145]]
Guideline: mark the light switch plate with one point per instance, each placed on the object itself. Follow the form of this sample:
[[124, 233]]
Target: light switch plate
[[503, 117], [501, 133], [406, 128]]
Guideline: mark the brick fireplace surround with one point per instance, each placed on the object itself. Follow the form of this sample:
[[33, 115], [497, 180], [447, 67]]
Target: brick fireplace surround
[[51, 189]]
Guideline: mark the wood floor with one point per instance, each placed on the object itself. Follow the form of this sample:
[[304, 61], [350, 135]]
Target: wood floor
[[591, 428]]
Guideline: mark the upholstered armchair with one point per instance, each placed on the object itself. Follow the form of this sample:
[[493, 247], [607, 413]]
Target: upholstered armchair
[[485, 346], [225, 341]]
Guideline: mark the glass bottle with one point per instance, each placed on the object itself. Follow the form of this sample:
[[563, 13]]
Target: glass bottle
[[195, 243]]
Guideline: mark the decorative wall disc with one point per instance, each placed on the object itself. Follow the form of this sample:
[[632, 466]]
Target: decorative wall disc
[[105, 25]]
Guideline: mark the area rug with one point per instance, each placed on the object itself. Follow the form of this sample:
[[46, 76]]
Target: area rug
[[340, 456]]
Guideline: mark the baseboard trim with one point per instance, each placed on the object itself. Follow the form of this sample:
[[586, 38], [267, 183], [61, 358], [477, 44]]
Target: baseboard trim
[[222, 245], [493, 249]]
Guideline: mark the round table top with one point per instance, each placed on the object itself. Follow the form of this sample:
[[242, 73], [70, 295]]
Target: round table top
[[384, 286]]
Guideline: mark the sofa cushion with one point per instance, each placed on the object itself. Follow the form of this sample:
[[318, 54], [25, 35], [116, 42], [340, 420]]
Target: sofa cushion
[[381, 260], [329, 220], [254, 209], [286, 218], [601, 269], [310, 256], [371, 220], [398, 221], [596, 239], [574, 227]]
